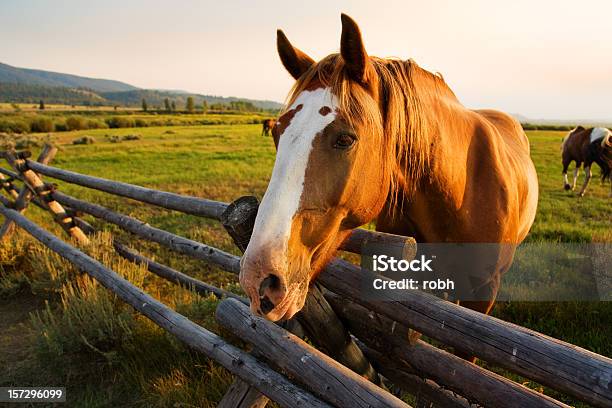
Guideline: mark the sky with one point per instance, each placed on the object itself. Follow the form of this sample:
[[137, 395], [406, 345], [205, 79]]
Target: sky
[[541, 59]]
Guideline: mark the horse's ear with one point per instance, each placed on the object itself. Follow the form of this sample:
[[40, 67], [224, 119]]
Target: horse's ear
[[352, 50], [294, 60]]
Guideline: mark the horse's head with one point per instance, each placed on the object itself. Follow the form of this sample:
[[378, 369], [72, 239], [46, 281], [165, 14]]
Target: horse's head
[[329, 176]]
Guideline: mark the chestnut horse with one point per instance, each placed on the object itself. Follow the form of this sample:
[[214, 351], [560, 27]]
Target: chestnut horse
[[267, 125], [588, 146], [365, 138]]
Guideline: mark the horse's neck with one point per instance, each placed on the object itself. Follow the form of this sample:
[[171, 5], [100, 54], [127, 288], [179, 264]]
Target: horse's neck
[[421, 201], [446, 129]]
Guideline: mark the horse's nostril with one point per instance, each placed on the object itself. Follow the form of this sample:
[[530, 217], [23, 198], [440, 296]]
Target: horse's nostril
[[266, 305], [271, 282]]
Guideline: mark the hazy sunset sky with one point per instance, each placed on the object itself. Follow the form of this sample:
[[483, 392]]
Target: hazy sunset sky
[[542, 59]]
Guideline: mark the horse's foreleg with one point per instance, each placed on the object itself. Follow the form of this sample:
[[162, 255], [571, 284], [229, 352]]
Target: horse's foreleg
[[587, 178], [566, 184], [576, 171]]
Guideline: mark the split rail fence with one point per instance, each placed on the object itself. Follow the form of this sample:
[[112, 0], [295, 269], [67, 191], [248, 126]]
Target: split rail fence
[[363, 347]]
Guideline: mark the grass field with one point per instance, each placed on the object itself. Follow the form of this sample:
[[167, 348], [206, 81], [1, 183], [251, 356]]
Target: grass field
[[26, 122], [58, 328]]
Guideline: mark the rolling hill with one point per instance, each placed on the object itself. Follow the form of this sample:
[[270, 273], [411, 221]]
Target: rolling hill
[[14, 75], [22, 85]]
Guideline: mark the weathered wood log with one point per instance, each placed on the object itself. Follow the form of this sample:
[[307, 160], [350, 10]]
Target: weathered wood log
[[175, 276], [360, 239], [10, 173], [238, 220], [321, 374], [426, 391], [551, 362], [186, 204], [180, 244], [266, 380], [25, 195], [469, 380], [34, 183]]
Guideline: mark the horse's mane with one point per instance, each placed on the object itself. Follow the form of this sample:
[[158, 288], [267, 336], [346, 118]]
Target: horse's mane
[[404, 115]]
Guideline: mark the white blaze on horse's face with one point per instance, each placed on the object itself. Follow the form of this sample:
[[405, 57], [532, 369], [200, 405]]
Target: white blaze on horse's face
[[265, 264]]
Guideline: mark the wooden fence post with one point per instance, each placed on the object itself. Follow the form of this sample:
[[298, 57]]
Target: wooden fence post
[[22, 200], [34, 183]]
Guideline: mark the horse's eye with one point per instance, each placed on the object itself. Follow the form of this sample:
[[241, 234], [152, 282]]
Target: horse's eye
[[344, 141]]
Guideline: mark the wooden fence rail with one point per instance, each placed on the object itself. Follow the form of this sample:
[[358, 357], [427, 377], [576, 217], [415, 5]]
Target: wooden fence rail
[[175, 276], [171, 201]]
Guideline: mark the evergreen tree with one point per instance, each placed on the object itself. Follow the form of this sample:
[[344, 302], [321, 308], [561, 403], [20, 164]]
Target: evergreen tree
[[144, 105], [167, 105], [41, 105], [190, 105]]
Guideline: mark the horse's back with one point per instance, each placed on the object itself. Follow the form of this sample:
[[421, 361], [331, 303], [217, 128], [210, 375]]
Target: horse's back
[[508, 128]]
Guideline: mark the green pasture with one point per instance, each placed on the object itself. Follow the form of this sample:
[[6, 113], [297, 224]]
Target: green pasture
[[58, 327]]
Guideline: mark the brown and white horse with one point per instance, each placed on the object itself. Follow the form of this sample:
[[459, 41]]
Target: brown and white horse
[[588, 146], [267, 125], [365, 138]]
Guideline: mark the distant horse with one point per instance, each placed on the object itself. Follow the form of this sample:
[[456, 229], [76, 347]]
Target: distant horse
[[588, 146], [366, 138], [267, 125]]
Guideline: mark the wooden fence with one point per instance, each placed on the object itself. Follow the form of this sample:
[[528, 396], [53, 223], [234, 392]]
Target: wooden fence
[[361, 344]]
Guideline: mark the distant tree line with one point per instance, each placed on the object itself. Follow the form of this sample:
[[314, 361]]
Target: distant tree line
[[22, 93], [147, 99], [532, 126]]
